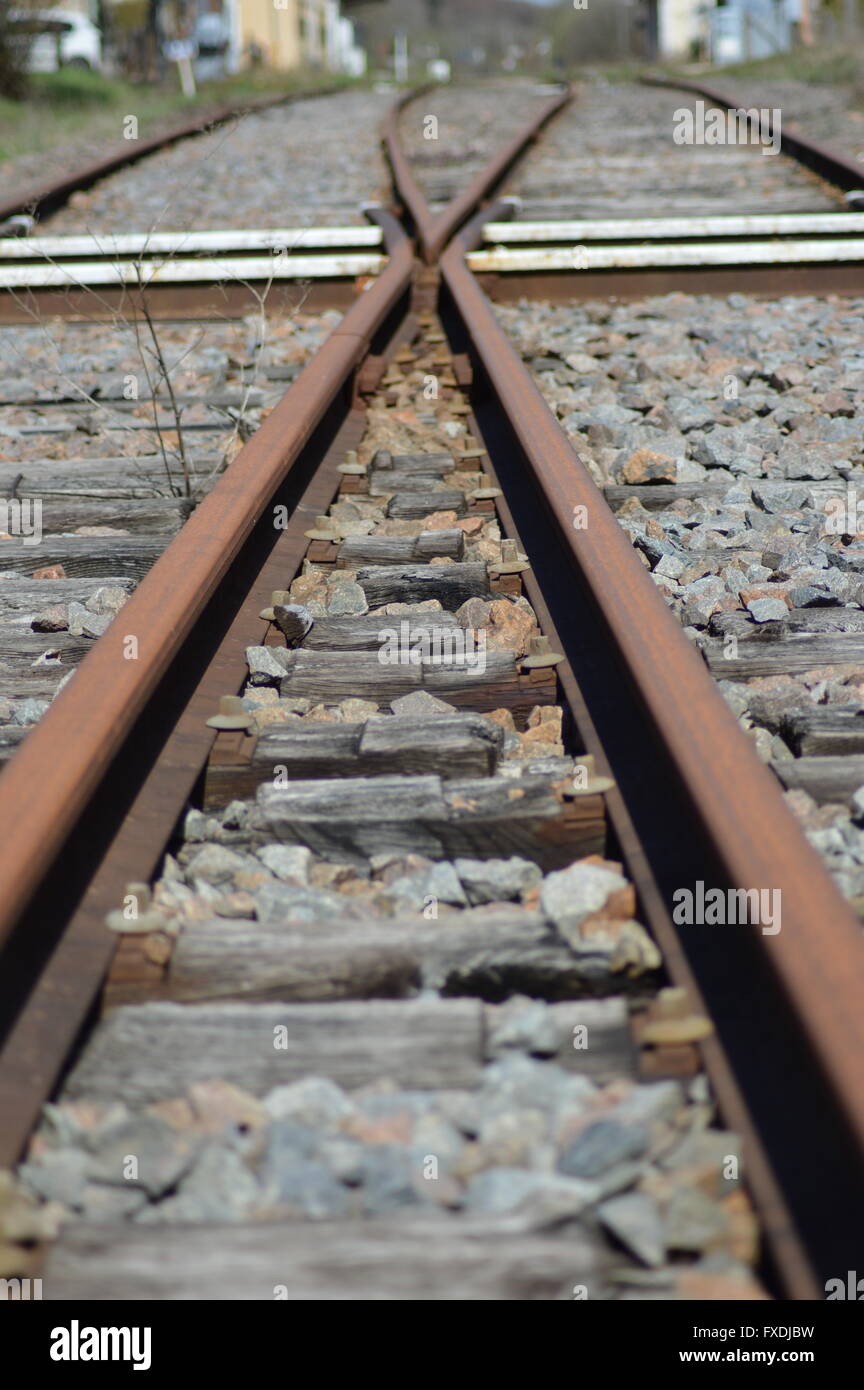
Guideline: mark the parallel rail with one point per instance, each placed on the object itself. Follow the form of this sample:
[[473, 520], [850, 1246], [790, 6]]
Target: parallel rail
[[781, 254], [668, 737], [832, 165], [47, 195], [85, 277]]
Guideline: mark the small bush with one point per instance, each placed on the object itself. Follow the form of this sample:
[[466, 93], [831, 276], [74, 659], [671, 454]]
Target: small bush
[[74, 87]]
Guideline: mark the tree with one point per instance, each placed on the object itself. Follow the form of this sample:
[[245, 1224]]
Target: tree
[[594, 34], [155, 57], [13, 52]]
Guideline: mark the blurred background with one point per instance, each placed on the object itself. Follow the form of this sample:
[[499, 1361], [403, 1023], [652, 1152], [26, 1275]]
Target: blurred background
[[155, 57], [140, 39]]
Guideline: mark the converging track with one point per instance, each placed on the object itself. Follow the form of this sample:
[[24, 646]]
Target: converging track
[[386, 779]]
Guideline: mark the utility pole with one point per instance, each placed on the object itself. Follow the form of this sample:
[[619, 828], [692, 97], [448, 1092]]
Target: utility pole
[[807, 9], [154, 39], [850, 19], [623, 27]]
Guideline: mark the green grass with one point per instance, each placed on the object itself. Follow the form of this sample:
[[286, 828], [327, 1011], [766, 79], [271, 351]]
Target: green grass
[[74, 87], [833, 67], [825, 67], [72, 105]]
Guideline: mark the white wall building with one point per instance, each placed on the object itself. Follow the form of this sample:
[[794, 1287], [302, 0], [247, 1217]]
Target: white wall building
[[730, 32], [681, 25]]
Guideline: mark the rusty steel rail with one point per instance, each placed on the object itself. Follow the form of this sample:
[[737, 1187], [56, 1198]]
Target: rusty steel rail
[[47, 195], [90, 799], [434, 232], [134, 729], [93, 715], [787, 1008], [406, 187]]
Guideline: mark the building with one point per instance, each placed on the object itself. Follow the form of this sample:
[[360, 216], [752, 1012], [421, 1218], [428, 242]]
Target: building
[[260, 30], [724, 31], [233, 34], [295, 33], [745, 29], [680, 27]]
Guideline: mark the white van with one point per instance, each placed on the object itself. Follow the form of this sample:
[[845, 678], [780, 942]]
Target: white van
[[80, 40]]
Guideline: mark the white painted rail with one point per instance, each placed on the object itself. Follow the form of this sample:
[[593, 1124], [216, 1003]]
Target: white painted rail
[[665, 228], [82, 274], [631, 257], [187, 243]]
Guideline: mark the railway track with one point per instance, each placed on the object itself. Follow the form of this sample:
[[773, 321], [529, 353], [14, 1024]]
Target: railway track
[[138, 364], [408, 978]]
